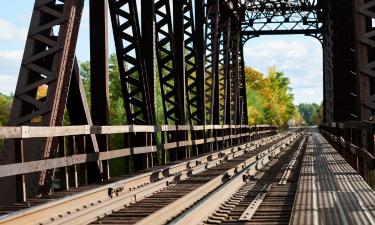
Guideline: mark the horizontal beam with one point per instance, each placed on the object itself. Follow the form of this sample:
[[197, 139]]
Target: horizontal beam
[[356, 125], [281, 32], [362, 153], [40, 132], [47, 164]]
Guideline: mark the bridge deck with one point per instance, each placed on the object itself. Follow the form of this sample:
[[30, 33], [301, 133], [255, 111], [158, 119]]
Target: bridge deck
[[329, 190], [290, 178]]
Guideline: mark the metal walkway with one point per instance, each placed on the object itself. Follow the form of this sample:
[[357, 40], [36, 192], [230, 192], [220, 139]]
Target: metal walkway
[[330, 191]]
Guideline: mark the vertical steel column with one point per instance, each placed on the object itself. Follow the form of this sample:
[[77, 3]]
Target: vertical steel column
[[344, 82], [199, 43], [211, 64], [148, 49], [171, 82], [193, 85], [327, 67], [221, 70], [192, 82], [179, 47], [47, 62], [211, 57], [235, 42], [139, 105], [364, 15], [227, 79], [99, 76], [243, 98], [79, 114], [227, 75], [148, 42]]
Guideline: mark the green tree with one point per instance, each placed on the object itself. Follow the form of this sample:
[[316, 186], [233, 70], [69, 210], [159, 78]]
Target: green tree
[[5, 107], [269, 97], [309, 112]]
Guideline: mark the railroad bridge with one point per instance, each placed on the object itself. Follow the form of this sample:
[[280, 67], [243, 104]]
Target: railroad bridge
[[205, 165]]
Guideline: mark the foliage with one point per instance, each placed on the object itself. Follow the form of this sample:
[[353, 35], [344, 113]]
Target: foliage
[[117, 111], [5, 107], [309, 112], [269, 97], [318, 118], [297, 119]]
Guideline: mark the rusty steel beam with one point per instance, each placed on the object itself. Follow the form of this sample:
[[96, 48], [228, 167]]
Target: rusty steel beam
[[364, 14], [136, 81], [47, 64], [79, 114], [165, 52], [99, 77], [180, 43], [200, 52], [364, 46], [328, 67], [211, 58], [242, 85], [345, 95], [278, 17], [171, 68]]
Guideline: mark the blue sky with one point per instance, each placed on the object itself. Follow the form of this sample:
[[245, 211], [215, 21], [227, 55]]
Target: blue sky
[[298, 56]]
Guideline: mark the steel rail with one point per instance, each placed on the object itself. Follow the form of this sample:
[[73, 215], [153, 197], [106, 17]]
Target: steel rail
[[86, 206], [200, 212], [279, 199], [254, 205], [195, 215], [292, 163]]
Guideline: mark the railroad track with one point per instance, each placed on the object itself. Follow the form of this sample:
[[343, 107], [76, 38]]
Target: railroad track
[[266, 198], [87, 204], [167, 204]]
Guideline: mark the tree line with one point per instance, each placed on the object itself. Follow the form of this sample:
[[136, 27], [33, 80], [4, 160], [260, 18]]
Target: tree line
[[269, 100]]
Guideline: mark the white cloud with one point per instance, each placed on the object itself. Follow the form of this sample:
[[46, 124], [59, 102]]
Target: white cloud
[[12, 40], [85, 19], [11, 56], [10, 62], [299, 58], [7, 83], [10, 32]]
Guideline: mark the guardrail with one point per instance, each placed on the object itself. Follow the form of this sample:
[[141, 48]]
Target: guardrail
[[354, 140], [69, 154]]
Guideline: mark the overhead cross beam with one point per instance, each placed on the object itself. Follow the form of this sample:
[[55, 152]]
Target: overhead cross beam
[[272, 17]]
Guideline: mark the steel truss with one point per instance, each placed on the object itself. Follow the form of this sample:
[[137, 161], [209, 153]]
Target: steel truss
[[364, 15], [194, 49], [47, 64], [270, 17]]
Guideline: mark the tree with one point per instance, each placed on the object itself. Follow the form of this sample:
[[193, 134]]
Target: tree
[[309, 112], [5, 107], [269, 97]]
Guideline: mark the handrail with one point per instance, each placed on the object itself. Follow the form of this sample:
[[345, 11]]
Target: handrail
[[53, 163], [355, 138], [71, 149], [40, 132]]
